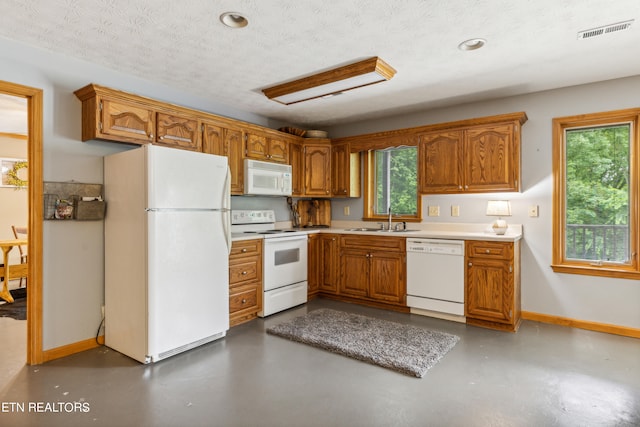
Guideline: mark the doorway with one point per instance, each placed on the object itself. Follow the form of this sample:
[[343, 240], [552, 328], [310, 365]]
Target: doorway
[[33, 99]]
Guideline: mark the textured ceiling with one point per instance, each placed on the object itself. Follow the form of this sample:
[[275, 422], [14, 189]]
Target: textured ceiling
[[531, 46]]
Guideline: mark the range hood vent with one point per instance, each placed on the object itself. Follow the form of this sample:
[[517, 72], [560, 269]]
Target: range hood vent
[[611, 28]]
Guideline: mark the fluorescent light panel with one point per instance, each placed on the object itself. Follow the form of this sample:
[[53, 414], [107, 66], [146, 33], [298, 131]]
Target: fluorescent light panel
[[363, 73]]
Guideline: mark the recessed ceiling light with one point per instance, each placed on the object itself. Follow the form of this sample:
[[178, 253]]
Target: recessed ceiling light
[[472, 44], [234, 20]]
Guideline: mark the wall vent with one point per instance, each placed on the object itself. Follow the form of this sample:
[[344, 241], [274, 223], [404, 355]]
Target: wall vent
[[606, 29]]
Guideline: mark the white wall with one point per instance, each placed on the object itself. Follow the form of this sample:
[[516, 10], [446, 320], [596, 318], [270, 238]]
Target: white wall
[[611, 301], [73, 267]]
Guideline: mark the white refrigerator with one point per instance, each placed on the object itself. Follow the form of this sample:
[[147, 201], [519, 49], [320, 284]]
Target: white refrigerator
[[167, 244]]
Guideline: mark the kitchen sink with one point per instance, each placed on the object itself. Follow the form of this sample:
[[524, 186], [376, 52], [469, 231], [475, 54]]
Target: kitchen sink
[[379, 230], [363, 229]]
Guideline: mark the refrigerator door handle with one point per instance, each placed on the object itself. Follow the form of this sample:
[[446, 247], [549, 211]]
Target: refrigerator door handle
[[226, 209]]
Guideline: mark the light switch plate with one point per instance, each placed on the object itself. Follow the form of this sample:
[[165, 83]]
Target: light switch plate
[[434, 210], [346, 211], [533, 211], [455, 210]]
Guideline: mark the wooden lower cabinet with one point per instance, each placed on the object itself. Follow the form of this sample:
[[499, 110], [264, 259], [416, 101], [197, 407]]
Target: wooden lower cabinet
[[492, 290], [323, 264], [245, 281], [373, 269]]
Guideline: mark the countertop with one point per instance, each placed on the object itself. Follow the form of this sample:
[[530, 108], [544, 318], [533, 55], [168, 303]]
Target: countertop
[[450, 231]]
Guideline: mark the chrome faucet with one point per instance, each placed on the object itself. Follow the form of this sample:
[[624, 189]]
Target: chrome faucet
[[389, 224]]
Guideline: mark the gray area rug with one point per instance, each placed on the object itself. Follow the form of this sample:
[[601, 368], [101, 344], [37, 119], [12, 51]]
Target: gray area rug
[[404, 348]]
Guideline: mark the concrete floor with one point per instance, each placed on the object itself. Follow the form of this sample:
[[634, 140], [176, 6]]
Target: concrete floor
[[544, 375]]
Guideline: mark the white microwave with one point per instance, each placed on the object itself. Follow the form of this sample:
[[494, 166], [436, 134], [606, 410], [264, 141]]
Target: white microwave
[[266, 179]]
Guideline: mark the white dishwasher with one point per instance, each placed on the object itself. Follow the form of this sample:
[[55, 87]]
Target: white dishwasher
[[435, 277]]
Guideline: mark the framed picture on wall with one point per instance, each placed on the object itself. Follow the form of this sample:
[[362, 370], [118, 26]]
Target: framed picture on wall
[[14, 172]]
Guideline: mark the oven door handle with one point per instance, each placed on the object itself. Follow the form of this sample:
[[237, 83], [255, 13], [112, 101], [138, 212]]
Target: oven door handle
[[284, 239]]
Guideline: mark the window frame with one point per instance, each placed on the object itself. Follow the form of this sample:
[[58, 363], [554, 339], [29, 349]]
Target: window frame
[[369, 188], [560, 263]]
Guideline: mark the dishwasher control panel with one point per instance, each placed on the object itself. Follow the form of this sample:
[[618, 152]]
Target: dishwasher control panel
[[436, 246]]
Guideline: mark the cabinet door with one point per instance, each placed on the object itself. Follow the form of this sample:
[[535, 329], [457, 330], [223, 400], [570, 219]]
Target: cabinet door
[[233, 142], [441, 162], [317, 167], [489, 292], [127, 121], [329, 268], [213, 140], [354, 272], [278, 151], [387, 277], [491, 159], [340, 170], [256, 146], [178, 132], [314, 264], [297, 169]]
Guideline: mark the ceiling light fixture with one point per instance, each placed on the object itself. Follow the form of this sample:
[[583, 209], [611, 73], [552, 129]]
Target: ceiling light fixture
[[332, 82], [234, 20], [472, 44]]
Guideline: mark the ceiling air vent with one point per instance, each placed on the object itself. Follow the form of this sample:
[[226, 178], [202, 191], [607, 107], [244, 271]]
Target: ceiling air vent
[[611, 28]]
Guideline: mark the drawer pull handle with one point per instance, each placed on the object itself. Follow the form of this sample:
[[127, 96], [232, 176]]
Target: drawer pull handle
[[243, 250], [244, 301], [488, 251], [244, 273]]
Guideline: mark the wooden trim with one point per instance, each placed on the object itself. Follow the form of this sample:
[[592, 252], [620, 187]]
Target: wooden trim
[[35, 189], [69, 349], [13, 135], [395, 137], [582, 324]]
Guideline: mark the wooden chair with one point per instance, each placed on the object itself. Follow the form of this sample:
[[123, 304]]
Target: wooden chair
[[21, 233]]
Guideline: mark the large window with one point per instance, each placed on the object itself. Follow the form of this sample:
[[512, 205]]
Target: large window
[[393, 184], [596, 194]]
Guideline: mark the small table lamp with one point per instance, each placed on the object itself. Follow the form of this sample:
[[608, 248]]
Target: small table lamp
[[499, 208]]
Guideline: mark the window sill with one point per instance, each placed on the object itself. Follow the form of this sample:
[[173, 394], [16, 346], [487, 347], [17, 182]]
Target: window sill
[[603, 271]]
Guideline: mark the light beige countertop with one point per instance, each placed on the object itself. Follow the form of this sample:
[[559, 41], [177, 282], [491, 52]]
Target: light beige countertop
[[452, 231]]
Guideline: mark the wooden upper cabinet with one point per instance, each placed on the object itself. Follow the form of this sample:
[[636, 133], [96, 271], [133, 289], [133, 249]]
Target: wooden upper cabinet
[[122, 121], [256, 146], [492, 159], [441, 162], [317, 167], [233, 143], [345, 171], [473, 159], [262, 147], [278, 150], [178, 132], [213, 140], [296, 160]]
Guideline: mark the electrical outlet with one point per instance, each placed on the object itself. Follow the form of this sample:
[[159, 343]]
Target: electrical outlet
[[455, 210], [346, 211], [434, 210], [533, 211]]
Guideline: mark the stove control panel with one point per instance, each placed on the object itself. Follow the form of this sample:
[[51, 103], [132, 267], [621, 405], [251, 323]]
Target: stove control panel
[[253, 217]]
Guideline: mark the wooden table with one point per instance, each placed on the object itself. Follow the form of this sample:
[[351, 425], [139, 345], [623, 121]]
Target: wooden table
[[11, 271]]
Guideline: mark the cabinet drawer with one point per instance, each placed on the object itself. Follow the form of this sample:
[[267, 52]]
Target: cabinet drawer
[[373, 243], [244, 298], [245, 270], [246, 248], [495, 250]]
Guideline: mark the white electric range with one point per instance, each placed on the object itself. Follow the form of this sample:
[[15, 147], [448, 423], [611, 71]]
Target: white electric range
[[284, 263]]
